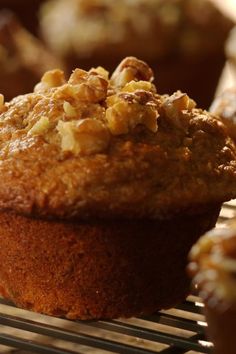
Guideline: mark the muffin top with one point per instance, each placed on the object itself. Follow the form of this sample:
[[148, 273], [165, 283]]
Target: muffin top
[[95, 146], [213, 265], [225, 106], [173, 27]]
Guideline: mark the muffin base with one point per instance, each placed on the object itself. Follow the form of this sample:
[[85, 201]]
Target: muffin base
[[92, 270]]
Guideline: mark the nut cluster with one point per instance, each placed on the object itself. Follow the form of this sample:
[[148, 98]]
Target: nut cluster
[[83, 113], [175, 104], [132, 107], [85, 136]]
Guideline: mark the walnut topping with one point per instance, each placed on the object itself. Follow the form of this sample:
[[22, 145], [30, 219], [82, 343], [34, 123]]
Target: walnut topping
[[126, 110], [131, 69], [176, 103], [138, 85], [89, 107], [139, 96], [85, 136], [69, 110], [100, 71], [52, 78], [40, 127], [88, 86]]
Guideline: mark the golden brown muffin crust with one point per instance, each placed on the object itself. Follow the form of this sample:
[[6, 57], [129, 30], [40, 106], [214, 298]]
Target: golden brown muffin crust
[[94, 147]]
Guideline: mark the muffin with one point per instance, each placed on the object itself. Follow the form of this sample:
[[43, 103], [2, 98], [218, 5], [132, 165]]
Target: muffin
[[224, 106], [105, 187], [23, 58], [213, 265], [230, 51], [176, 37]]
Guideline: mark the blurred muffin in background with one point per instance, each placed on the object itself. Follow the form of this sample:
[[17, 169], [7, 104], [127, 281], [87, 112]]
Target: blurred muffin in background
[[213, 267], [230, 50], [23, 58], [183, 40], [224, 106], [26, 10]]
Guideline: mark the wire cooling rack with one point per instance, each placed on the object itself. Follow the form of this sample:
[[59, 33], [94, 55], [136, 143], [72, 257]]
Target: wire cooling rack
[[175, 331]]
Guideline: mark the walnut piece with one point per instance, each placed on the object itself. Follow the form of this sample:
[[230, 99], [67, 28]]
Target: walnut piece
[[88, 86], [127, 110], [69, 110], [175, 104], [138, 85], [100, 71], [52, 78], [40, 127], [86, 136], [131, 69]]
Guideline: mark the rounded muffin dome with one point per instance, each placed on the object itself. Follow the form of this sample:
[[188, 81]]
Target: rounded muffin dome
[[105, 186], [100, 146]]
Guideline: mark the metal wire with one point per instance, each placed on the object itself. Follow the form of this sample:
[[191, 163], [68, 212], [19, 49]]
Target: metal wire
[[175, 331]]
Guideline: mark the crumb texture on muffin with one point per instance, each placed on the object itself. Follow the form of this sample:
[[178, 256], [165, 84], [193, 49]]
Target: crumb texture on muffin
[[97, 145]]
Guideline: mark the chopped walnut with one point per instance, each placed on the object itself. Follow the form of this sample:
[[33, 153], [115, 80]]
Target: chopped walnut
[[85, 136], [100, 71], [126, 110], [131, 69], [78, 76], [139, 96], [69, 110], [138, 85], [52, 78], [40, 127], [87, 86], [175, 104]]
